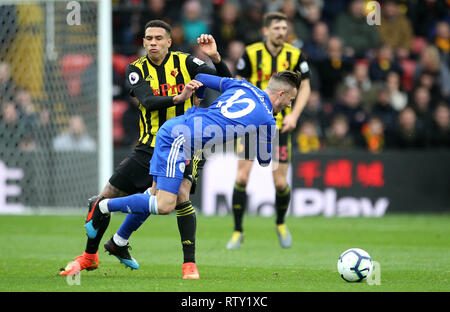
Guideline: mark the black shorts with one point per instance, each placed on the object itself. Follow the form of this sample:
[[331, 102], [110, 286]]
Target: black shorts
[[281, 152], [132, 175]]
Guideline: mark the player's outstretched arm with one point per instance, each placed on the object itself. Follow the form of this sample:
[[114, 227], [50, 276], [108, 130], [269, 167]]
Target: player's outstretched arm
[[208, 46], [290, 120], [141, 90], [208, 81]]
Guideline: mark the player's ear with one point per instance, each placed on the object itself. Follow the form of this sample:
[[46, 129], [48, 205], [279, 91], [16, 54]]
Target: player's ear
[[169, 41], [264, 30]]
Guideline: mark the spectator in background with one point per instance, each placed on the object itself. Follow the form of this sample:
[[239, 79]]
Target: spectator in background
[[303, 14], [27, 109], [179, 40], [421, 103], [372, 135], [349, 105], [251, 21], [424, 13], [45, 130], [226, 26], [314, 110], [75, 138], [316, 46], [398, 98], [7, 87], [337, 136], [333, 8], [235, 51], [193, 23], [128, 23], [360, 78], [168, 11], [357, 36], [308, 137], [407, 135], [274, 5], [291, 36], [442, 41], [440, 129], [395, 29], [12, 130], [383, 108], [430, 62], [383, 63], [296, 24], [428, 81], [333, 69]]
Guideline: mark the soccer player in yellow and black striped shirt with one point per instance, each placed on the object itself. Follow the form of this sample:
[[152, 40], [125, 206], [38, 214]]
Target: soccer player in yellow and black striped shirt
[[160, 81], [259, 62]]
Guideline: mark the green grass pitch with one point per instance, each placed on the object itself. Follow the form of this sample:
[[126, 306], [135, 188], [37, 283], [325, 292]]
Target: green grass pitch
[[413, 252]]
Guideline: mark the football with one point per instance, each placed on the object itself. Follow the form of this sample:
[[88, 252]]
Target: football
[[355, 265]]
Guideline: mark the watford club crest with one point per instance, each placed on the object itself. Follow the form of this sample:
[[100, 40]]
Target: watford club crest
[[285, 65], [174, 72]]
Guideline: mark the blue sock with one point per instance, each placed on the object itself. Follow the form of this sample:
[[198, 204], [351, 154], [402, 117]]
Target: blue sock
[[136, 204], [131, 223]]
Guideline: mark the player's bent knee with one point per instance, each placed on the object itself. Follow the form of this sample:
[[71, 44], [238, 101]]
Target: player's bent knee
[[166, 202]]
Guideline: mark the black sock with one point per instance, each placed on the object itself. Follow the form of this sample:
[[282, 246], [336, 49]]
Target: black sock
[[239, 204], [92, 243], [282, 200], [187, 224]]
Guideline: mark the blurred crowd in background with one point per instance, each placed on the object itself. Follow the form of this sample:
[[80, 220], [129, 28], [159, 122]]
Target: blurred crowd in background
[[374, 87]]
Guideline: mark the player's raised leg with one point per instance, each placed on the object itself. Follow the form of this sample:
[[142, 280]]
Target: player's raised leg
[[89, 259]]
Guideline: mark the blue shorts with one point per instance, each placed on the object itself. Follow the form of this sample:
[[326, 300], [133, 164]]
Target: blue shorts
[[169, 162]]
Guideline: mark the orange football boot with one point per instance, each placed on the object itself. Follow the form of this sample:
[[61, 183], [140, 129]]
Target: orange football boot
[[190, 271], [86, 261]]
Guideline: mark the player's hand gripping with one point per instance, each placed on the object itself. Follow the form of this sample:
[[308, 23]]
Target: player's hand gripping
[[189, 88], [208, 46]]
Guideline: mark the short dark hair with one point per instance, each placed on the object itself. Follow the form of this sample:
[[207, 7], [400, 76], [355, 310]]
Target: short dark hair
[[273, 16], [294, 79], [158, 23]]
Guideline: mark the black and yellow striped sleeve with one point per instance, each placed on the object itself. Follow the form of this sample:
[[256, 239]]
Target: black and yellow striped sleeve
[[141, 89]]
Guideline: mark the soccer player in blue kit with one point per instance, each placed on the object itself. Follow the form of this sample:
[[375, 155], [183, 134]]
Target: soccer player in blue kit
[[240, 108]]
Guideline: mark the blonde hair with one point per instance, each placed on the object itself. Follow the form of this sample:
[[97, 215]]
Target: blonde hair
[[433, 55]]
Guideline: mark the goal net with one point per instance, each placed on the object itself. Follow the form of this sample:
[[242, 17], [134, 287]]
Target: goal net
[[49, 104]]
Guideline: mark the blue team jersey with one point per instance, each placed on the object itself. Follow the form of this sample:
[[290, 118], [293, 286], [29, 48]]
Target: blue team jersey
[[241, 108]]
